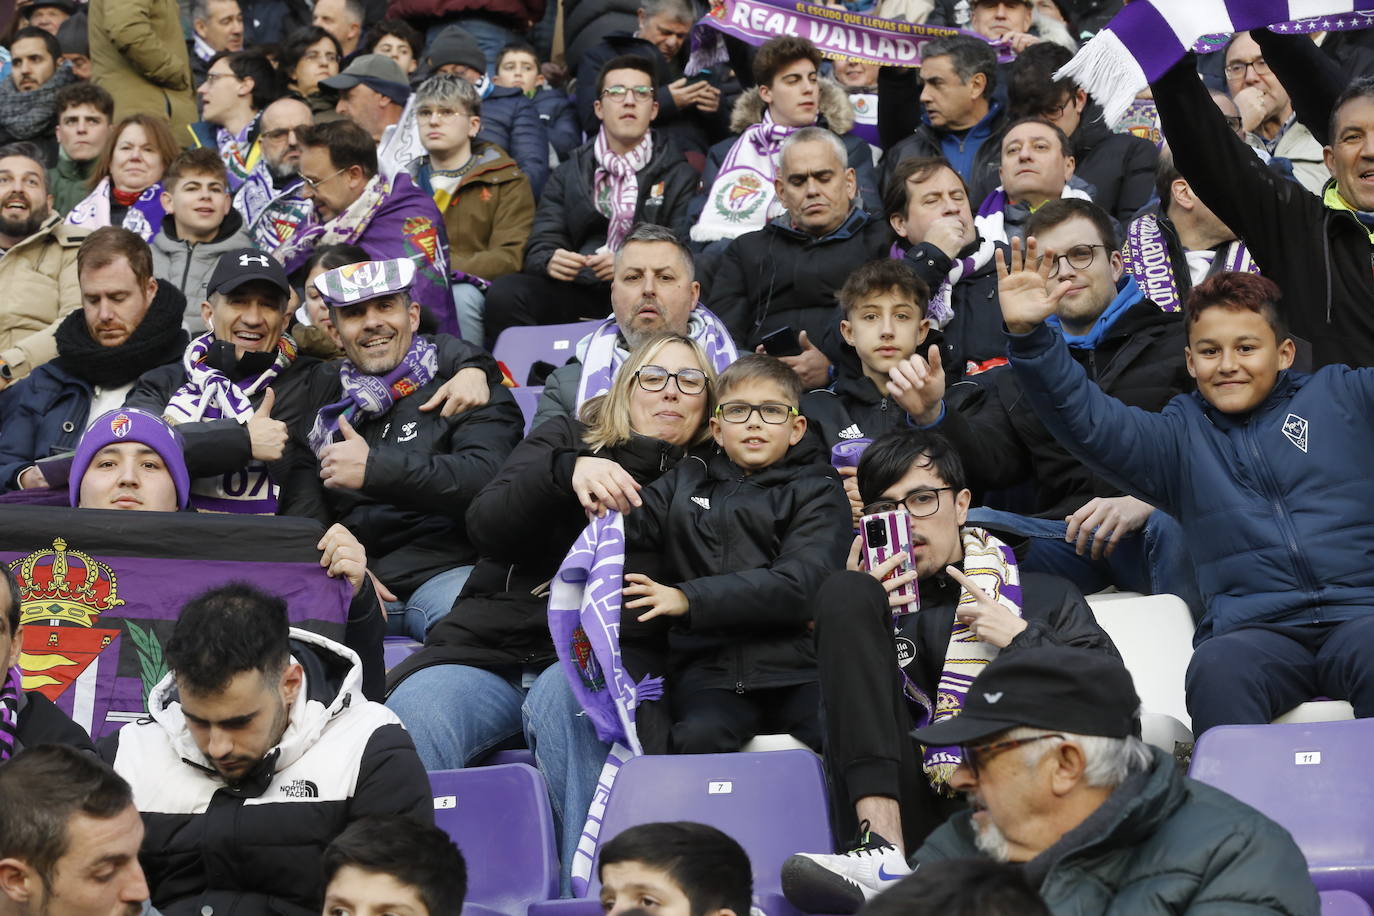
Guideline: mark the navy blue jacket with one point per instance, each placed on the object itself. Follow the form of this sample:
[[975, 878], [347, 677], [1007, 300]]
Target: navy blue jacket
[[45, 415], [510, 120], [1274, 503], [559, 115]]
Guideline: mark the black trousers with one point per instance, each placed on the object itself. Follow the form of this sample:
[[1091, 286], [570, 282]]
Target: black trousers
[[868, 745], [525, 299], [722, 721]]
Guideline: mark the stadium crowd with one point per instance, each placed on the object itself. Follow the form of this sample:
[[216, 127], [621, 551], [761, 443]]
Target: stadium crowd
[[271, 258]]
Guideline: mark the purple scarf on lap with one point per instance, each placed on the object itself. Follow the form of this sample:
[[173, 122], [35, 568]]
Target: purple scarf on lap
[[367, 396]]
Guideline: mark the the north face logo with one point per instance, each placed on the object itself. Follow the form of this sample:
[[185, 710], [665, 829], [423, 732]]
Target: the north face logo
[[851, 431], [1295, 428], [702, 501], [300, 788]]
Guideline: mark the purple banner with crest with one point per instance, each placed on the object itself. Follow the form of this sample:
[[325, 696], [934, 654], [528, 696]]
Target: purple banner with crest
[[100, 591]]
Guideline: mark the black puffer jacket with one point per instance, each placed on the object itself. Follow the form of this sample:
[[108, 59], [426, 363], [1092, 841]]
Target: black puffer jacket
[[1003, 442], [42, 722], [567, 216], [1320, 257], [974, 336], [422, 472], [1121, 167], [749, 551], [778, 277], [851, 408], [525, 520]]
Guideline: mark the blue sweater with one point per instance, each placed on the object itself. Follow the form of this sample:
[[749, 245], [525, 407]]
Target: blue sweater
[[1275, 504]]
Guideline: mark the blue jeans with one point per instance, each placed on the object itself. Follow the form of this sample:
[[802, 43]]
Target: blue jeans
[[457, 713], [470, 303], [1153, 561], [427, 605]]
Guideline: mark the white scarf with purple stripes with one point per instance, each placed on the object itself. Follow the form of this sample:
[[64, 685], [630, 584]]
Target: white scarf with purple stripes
[[615, 186]]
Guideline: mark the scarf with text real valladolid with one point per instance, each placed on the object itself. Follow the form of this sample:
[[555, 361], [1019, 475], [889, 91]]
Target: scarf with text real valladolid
[[1148, 37], [584, 621], [991, 565]]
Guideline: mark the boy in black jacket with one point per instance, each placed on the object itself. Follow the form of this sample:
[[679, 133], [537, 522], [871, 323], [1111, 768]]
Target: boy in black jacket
[[884, 304], [749, 538]]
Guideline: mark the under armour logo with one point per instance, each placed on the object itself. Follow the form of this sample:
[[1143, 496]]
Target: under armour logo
[[702, 501], [993, 697], [1295, 428], [259, 259]]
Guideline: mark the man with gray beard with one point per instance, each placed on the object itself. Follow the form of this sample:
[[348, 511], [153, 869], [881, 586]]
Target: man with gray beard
[[38, 265], [269, 200]]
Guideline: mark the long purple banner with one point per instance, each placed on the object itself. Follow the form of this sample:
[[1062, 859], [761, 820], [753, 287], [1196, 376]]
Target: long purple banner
[[101, 590], [838, 33]]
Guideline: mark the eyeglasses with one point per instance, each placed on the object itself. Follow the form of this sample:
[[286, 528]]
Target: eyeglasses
[[211, 77], [739, 412], [989, 751], [920, 503], [655, 378], [281, 133], [1233, 122], [443, 114], [1055, 112], [313, 184], [1236, 69], [1080, 257], [641, 93]]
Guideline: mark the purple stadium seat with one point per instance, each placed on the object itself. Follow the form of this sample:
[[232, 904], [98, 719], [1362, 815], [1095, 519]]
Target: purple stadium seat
[[527, 397], [522, 346], [774, 803], [1344, 903], [1314, 780], [396, 649], [500, 818]]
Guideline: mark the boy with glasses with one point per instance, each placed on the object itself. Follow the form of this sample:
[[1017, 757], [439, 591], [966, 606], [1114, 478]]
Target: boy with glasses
[[486, 199], [744, 540], [625, 175], [976, 603], [1081, 527]]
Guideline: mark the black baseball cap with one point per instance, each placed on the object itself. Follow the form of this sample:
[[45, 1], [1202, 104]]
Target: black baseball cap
[[375, 71], [1080, 691], [244, 265]]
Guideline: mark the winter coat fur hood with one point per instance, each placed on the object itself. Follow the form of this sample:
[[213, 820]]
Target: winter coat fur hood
[[836, 111]]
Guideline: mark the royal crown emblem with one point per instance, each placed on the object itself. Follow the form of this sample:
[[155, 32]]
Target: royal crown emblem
[[65, 586]]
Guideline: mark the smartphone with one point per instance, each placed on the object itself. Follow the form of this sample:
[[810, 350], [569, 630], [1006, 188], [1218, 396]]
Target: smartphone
[[886, 534], [782, 342], [701, 76]]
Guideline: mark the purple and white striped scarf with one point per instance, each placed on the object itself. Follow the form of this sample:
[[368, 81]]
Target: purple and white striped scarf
[[602, 353], [743, 197], [9, 711], [1148, 37], [584, 621], [1147, 259], [991, 565], [940, 309], [208, 394], [367, 396], [615, 186], [144, 217]]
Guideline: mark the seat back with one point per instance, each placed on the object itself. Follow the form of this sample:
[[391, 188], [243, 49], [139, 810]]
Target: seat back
[[1154, 634], [773, 803], [1344, 903], [500, 818], [522, 346], [1313, 779], [528, 399], [396, 649]]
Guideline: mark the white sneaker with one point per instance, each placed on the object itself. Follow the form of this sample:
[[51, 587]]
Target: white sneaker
[[815, 882]]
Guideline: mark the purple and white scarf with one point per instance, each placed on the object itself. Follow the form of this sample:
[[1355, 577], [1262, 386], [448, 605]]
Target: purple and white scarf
[[367, 396], [615, 186], [1148, 37], [602, 353], [143, 217], [940, 309], [1147, 259], [743, 198], [991, 565], [240, 152], [208, 394], [9, 710], [344, 229], [991, 219], [584, 621]]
